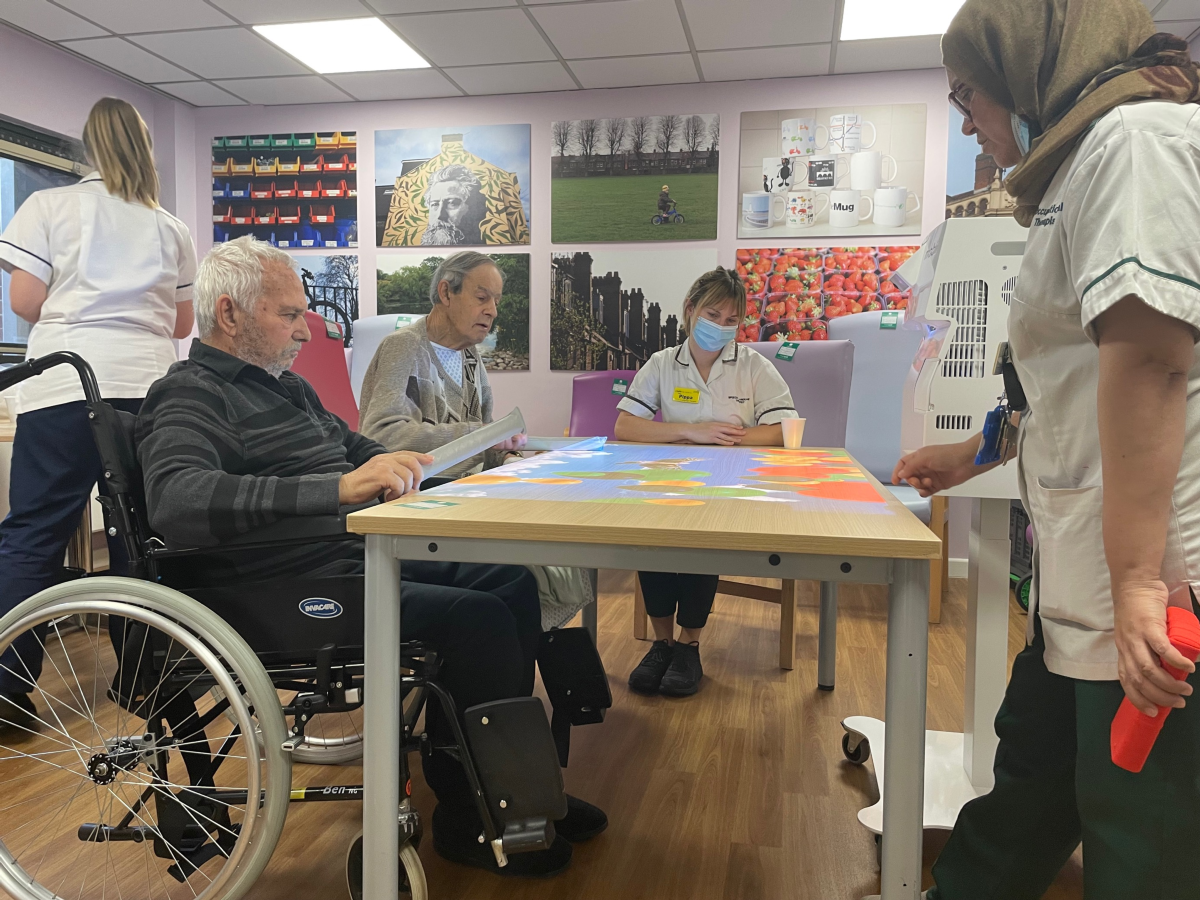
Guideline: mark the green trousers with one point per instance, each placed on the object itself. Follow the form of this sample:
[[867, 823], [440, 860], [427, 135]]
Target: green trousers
[[1056, 785]]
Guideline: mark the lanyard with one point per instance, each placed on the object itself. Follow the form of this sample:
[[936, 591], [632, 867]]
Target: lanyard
[[1002, 425]]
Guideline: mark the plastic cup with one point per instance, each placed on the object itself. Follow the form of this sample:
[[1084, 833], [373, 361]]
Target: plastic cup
[[793, 433]]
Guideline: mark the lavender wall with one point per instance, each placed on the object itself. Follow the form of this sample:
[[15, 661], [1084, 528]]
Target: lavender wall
[[51, 89], [544, 396]]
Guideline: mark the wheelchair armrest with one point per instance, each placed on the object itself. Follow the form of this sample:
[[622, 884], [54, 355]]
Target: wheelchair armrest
[[299, 528]]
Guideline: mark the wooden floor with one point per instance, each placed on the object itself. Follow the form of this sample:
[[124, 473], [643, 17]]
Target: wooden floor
[[739, 793]]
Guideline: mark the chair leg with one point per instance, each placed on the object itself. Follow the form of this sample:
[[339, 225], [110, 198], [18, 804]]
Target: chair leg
[[787, 625], [641, 622], [827, 636], [939, 569]]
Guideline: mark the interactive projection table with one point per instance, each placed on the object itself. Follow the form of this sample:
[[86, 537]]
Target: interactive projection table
[[806, 514]]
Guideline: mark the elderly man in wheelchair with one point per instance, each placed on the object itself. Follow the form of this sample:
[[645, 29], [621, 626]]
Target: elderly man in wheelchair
[[167, 744]]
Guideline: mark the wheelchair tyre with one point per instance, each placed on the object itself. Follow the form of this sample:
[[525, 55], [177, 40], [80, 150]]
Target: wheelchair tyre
[[412, 873], [100, 759], [330, 739]]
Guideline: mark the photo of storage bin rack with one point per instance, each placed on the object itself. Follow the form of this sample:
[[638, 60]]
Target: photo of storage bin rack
[[294, 190]]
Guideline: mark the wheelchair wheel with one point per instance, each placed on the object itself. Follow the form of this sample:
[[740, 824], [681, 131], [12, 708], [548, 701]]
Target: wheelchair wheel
[[331, 739], [412, 873], [131, 782]]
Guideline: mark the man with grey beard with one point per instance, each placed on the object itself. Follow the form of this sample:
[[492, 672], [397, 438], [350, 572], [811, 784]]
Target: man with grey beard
[[456, 207]]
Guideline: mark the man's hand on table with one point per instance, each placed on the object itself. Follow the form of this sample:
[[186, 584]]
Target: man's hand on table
[[391, 475]]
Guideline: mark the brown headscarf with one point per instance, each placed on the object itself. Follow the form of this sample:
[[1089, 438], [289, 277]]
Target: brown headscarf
[[1060, 65]]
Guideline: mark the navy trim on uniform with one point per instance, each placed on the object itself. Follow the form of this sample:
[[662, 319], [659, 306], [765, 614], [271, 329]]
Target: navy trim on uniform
[[677, 352], [773, 409], [642, 402], [180, 287], [26, 252]]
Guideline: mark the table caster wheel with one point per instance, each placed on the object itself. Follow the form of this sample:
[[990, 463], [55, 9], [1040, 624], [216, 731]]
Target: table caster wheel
[[856, 748]]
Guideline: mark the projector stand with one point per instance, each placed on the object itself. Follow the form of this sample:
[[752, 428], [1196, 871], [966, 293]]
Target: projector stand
[[958, 767]]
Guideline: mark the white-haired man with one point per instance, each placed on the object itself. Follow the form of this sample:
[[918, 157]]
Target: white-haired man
[[456, 207], [229, 439]]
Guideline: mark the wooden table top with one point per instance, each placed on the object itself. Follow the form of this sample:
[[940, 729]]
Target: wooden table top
[[727, 498]]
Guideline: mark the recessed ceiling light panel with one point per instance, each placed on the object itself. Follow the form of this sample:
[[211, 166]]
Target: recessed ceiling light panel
[[344, 45], [865, 20]]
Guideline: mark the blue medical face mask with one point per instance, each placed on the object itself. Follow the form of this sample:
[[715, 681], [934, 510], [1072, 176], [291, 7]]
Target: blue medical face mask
[[1020, 130], [710, 336]]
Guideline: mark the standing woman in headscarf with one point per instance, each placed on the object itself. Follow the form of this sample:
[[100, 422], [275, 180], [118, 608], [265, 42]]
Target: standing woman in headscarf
[[1098, 114], [100, 269]]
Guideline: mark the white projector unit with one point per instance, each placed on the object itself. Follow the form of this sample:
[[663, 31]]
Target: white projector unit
[[963, 282]]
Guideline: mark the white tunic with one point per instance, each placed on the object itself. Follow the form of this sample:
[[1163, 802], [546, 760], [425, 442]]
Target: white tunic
[[114, 272], [1121, 217], [743, 388]]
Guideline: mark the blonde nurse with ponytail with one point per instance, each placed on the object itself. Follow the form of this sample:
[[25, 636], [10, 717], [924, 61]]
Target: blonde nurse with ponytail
[[709, 391]]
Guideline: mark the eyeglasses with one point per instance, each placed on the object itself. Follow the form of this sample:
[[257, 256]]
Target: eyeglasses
[[960, 99]]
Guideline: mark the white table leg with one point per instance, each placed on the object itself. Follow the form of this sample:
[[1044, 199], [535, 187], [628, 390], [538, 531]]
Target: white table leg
[[827, 636], [381, 721], [987, 638], [904, 738]]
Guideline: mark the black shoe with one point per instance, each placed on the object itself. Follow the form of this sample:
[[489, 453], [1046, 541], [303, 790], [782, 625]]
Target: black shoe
[[17, 711], [456, 839], [684, 674], [582, 821], [649, 673]]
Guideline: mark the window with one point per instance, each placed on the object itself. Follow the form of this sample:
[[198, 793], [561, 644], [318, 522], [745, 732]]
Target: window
[[29, 161]]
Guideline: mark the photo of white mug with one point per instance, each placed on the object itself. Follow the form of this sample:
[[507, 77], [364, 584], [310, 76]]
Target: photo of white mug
[[846, 208], [803, 207], [756, 209], [866, 170], [779, 173], [825, 172], [800, 137], [891, 206], [845, 133]]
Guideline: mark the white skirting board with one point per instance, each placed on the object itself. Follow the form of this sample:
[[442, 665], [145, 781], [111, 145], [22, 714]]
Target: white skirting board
[[958, 568]]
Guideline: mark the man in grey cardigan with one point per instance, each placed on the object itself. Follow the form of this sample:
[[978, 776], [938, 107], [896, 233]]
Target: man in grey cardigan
[[427, 385]]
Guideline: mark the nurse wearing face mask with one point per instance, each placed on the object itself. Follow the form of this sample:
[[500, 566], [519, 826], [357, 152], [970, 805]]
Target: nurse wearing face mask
[[709, 391]]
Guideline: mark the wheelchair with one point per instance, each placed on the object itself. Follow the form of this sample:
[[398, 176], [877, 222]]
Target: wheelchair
[[169, 719]]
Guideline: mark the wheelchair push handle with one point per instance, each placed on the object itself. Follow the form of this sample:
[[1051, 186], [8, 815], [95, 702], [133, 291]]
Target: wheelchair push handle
[[32, 367]]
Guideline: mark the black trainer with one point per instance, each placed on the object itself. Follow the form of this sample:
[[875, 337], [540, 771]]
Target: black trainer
[[16, 711], [582, 821], [456, 838], [683, 675], [649, 673]]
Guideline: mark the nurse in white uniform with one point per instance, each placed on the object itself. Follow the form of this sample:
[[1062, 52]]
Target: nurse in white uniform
[[1099, 116], [102, 270], [709, 391]]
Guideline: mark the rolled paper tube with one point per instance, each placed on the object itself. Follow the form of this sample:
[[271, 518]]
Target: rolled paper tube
[[451, 454], [568, 443]]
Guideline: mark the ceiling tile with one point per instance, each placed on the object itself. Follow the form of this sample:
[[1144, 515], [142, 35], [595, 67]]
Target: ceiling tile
[[1178, 11], [129, 16], [200, 93], [46, 21], [266, 12], [223, 53], [399, 7], [622, 28], [888, 54], [281, 91], [405, 84], [117, 53], [513, 78], [764, 22], [1184, 29], [635, 71], [769, 62], [478, 37]]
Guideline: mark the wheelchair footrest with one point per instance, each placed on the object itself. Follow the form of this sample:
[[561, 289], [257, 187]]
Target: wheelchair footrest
[[514, 755], [575, 681]]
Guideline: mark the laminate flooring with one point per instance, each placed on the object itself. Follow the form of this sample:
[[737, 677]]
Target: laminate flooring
[[739, 793]]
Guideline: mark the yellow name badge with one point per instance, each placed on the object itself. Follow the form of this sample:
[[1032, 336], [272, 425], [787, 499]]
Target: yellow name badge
[[686, 395]]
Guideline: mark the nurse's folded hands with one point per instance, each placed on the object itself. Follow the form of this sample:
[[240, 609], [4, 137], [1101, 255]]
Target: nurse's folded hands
[[1140, 613], [714, 433]]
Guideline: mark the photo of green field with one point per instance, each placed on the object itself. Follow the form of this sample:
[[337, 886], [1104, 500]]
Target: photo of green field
[[646, 178]]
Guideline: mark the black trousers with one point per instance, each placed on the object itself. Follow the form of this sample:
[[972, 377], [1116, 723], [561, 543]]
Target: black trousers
[[485, 622], [686, 596]]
